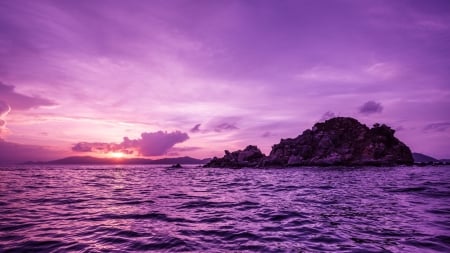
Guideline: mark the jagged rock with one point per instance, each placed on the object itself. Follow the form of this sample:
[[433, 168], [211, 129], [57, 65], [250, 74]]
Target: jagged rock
[[337, 141], [341, 141], [249, 157]]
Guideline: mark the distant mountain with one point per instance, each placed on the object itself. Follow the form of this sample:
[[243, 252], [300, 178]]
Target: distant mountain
[[98, 161], [421, 158]]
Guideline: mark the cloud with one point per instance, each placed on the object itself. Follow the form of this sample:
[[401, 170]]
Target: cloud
[[330, 74], [374, 72], [175, 151], [158, 143], [215, 127], [382, 70], [2, 127], [184, 149], [437, 127], [99, 147], [195, 129], [19, 101], [266, 134], [371, 107], [11, 152], [4, 110], [225, 127], [328, 115], [150, 144]]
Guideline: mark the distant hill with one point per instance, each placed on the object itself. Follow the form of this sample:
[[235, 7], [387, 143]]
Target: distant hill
[[421, 158], [98, 161]]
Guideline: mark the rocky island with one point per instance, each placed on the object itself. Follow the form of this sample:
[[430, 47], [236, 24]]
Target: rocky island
[[340, 141]]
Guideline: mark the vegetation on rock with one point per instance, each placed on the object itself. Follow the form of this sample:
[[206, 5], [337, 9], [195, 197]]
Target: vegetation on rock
[[337, 141]]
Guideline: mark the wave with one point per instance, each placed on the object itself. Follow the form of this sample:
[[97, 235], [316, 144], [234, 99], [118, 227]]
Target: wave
[[205, 210]]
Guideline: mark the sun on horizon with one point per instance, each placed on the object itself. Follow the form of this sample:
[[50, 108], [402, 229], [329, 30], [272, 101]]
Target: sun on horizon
[[116, 155]]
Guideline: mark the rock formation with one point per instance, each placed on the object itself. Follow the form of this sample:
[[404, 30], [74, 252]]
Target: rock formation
[[251, 156], [341, 141], [337, 141]]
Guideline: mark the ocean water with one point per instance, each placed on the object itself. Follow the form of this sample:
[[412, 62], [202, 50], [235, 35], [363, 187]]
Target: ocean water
[[142, 208]]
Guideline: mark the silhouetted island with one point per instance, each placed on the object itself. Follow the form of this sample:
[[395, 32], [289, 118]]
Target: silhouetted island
[[100, 161], [340, 141], [421, 158]]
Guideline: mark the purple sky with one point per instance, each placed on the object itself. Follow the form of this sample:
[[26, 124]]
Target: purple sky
[[175, 78]]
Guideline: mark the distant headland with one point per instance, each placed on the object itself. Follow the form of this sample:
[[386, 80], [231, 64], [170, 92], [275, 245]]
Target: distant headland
[[339, 141], [89, 160]]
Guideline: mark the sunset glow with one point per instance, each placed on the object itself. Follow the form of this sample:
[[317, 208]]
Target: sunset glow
[[116, 155], [187, 78]]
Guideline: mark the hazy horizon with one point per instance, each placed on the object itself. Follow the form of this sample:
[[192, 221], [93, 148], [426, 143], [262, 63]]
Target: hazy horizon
[[193, 78]]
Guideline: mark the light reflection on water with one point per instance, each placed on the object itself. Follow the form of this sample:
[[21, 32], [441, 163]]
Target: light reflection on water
[[134, 208]]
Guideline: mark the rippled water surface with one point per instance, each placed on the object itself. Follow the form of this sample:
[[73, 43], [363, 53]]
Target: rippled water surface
[[140, 208]]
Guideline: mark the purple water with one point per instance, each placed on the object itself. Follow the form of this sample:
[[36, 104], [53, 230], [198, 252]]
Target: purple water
[[138, 208]]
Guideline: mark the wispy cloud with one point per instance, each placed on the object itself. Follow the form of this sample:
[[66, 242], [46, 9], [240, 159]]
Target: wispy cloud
[[370, 73], [266, 134], [330, 74], [327, 115], [437, 127], [381, 71], [195, 129], [225, 127]]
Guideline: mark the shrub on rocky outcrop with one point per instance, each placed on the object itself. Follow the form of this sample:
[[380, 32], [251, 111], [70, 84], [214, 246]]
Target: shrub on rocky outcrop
[[337, 141]]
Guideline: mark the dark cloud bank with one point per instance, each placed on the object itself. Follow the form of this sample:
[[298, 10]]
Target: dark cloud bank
[[10, 99], [150, 144], [11, 152], [19, 101]]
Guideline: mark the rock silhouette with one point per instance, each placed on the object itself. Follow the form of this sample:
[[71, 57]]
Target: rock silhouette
[[337, 141], [251, 156]]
